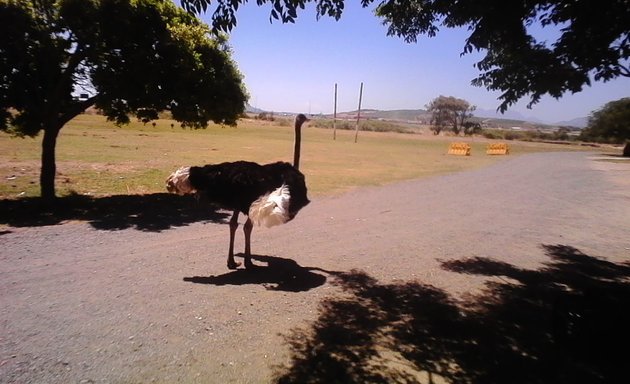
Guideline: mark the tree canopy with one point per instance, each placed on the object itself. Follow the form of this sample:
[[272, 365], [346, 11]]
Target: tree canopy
[[450, 113], [592, 44], [611, 123], [128, 57]]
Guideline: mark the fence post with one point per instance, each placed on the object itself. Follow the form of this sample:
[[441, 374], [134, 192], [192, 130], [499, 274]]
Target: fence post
[[356, 129]]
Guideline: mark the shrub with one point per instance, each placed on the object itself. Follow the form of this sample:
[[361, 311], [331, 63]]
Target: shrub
[[494, 135], [266, 116]]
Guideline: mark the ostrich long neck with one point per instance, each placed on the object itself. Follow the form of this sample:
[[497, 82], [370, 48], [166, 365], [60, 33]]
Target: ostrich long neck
[[296, 146]]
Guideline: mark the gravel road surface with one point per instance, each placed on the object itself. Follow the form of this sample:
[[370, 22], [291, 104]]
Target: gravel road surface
[[81, 304]]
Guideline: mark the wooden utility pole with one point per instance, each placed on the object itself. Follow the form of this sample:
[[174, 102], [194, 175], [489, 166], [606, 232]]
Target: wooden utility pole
[[335, 116], [356, 129]]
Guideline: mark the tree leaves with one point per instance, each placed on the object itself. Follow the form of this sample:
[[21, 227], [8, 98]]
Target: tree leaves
[[593, 42], [134, 55], [285, 11], [195, 6], [609, 124]]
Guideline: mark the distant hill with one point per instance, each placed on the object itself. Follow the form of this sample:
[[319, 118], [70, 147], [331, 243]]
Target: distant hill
[[580, 122], [508, 115], [489, 118], [397, 115], [486, 117], [250, 109], [422, 116], [516, 117]]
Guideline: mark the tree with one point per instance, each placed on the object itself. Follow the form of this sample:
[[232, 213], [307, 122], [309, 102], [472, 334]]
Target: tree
[[130, 57], [611, 123], [593, 40], [450, 112], [440, 119]]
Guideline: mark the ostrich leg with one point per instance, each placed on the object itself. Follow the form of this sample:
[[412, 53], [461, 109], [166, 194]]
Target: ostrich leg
[[231, 264], [247, 229]]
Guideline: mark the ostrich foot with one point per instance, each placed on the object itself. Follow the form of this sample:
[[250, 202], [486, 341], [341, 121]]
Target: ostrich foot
[[231, 264]]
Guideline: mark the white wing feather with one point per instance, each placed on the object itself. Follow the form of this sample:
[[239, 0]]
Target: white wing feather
[[179, 183], [271, 209]]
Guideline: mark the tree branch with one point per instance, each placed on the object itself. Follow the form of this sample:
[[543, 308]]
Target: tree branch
[[76, 109], [55, 112]]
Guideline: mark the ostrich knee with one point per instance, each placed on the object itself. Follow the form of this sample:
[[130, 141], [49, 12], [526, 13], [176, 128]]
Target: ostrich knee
[[247, 230]]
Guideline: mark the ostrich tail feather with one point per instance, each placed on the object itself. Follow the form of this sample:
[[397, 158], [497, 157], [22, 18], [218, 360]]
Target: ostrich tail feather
[[179, 182], [271, 209]]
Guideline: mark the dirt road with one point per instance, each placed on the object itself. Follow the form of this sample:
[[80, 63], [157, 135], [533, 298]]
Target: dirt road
[[339, 290]]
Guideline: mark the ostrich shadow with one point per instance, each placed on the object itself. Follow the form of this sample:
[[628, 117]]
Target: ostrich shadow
[[279, 274]]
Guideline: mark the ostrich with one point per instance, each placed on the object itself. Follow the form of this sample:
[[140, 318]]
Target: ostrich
[[268, 194]]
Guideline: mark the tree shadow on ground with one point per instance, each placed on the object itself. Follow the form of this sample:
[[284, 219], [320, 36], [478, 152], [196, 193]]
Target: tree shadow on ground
[[151, 212], [566, 322], [279, 274]]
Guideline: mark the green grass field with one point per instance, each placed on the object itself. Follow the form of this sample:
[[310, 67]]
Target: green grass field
[[95, 157]]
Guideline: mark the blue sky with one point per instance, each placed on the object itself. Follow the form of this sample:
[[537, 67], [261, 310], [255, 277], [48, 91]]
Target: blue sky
[[293, 67]]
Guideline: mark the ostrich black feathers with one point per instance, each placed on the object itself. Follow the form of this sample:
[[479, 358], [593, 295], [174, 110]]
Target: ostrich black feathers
[[269, 194], [237, 185]]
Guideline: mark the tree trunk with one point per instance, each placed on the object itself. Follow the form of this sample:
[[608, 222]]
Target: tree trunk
[[49, 145], [49, 167]]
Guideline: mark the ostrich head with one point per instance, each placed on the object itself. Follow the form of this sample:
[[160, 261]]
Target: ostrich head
[[301, 119]]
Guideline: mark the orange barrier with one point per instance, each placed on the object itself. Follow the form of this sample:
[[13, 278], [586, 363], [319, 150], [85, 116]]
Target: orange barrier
[[498, 149], [462, 149]]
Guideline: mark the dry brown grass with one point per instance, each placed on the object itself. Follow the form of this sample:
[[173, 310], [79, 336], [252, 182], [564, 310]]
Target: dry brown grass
[[97, 158]]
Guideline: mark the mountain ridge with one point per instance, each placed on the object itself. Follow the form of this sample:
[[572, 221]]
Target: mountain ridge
[[423, 116]]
